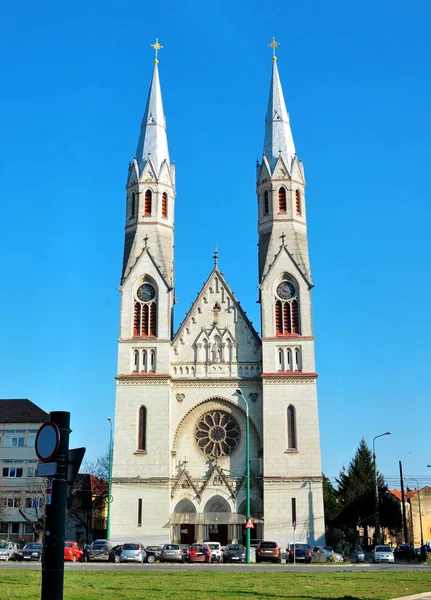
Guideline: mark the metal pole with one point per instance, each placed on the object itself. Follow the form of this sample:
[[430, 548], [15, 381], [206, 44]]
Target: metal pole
[[403, 501], [247, 458], [377, 514], [55, 517], [108, 528]]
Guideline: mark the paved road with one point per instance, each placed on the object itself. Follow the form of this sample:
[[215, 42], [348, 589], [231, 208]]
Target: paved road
[[100, 566]]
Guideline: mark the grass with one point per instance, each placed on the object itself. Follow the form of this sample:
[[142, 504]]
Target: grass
[[159, 585]]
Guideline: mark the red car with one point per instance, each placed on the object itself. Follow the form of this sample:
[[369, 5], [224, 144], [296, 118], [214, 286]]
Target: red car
[[73, 552], [200, 553]]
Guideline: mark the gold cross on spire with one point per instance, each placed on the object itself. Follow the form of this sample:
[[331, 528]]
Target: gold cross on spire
[[273, 45], [156, 47]]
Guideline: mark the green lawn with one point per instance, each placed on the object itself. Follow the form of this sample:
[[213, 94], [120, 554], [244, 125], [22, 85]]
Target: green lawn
[[161, 585]]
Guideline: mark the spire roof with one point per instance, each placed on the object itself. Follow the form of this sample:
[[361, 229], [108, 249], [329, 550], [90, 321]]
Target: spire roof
[[278, 135], [153, 139]]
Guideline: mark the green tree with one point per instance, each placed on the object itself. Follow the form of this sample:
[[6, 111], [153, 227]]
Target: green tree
[[356, 494], [331, 505]]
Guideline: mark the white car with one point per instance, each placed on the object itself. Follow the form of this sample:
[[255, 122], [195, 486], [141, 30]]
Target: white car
[[383, 554], [217, 552], [8, 550]]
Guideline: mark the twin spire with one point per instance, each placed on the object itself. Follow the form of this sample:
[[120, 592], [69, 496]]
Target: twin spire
[[153, 141]]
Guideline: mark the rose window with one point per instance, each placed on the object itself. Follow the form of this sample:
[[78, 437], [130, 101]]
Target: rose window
[[217, 433]]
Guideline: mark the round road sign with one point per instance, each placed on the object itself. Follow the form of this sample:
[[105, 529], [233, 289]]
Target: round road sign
[[47, 441]]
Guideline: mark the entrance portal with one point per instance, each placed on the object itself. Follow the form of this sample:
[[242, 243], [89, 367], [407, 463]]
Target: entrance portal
[[218, 533], [187, 534], [218, 530]]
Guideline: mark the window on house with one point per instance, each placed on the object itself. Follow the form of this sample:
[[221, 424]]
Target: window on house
[[265, 202], [298, 202], [28, 529], [148, 203], [139, 512], [145, 311], [12, 472], [293, 510], [142, 429], [3, 527], [14, 528], [291, 428], [31, 441], [14, 441], [282, 200], [164, 205], [11, 502], [30, 471]]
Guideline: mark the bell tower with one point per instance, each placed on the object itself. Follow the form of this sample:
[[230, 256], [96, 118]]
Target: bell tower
[[292, 466]]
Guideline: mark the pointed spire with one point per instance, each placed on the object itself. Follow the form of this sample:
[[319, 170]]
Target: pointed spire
[[153, 140], [278, 135]]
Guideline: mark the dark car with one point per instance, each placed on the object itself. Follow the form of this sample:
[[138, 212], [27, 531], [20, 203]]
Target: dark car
[[299, 553], [31, 551], [185, 548], [114, 553], [153, 553], [234, 553], [268, 551], [405, 552], [99, 550]]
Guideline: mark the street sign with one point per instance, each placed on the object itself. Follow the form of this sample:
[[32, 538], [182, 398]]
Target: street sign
[[249, 524], [46, 469], [47, 441], [48, 491]]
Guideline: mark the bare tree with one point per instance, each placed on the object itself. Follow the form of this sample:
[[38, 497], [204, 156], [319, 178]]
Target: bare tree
[[88, 503], [32, 505], [99, 467]]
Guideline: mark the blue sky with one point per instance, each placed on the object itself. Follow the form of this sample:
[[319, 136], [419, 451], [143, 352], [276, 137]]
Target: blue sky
[[356, 79]]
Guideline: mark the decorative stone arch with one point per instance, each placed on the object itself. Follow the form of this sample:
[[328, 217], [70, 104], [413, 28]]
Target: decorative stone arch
[[222, 402], [217, 504], [256, 507], [185, 505]]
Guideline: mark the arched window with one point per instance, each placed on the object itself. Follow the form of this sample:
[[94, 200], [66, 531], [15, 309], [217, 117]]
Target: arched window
[[148, 203], [164, 205], [142, 429], [291, 428], [136, 360], [145, 311], [289, 360], [298, 202], [266, 203], [133, 205], [282, 200], [280, 359], [286, 309]]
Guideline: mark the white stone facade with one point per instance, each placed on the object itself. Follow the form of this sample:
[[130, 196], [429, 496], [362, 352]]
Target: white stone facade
[[180, 425]]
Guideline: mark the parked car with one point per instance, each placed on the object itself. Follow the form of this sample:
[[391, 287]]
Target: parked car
[[268, 551], [383, 554], [8, 550], [31, 551], [358, 554], [171, 553], [234, 553], [299, 553], [133, 552], [100, 550], [185, 548], [153, 553], [326, 554], [405, 552], [73, 552], [114, 553], [200, 553], [217, 552]]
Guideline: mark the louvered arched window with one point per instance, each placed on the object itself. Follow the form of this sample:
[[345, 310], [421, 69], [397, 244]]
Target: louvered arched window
[[286, 309], [266, 203], [145, 311], [291, 428], [142, 429], [282, 200], [298, 202], [133, 205], [148, 203], [164, 205]]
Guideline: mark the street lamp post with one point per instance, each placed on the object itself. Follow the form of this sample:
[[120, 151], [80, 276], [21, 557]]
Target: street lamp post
[[420, 512], [247, 459], [108, 528], [376, 483]]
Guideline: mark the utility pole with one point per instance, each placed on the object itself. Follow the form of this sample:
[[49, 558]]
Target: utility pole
[[55, 519], [403, 501]]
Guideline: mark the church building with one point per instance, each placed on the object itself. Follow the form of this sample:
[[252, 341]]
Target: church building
[[184, 397]]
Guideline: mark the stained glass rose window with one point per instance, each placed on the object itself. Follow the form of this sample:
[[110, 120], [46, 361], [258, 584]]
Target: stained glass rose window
[[217, 433]]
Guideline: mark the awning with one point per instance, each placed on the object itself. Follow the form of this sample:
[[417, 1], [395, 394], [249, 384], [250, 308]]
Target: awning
[[209, 518]]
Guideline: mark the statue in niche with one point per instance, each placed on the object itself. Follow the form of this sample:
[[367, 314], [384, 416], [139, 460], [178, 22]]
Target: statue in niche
[[216, 352]]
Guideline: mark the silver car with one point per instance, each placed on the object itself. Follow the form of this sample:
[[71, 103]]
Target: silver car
[[133, 552], [8, 550], [383, 554], [172, 553]]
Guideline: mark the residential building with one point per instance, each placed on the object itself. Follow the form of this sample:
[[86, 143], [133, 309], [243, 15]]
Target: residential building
[[87, 515], [21, 492]]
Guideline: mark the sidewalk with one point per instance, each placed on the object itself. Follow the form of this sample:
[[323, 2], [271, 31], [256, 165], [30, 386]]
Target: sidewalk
[[422, 596]]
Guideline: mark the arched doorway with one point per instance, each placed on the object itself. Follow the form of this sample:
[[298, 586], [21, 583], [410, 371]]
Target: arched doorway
[[217, 509], [185, 532]]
